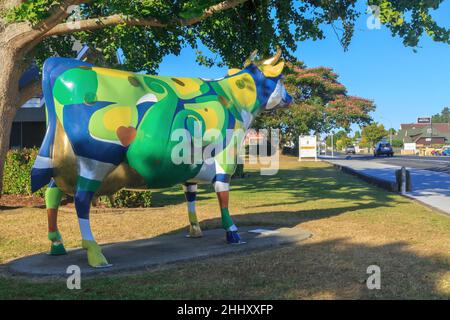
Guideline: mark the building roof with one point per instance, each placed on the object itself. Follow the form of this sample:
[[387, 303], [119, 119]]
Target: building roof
[[413, 132], [441, 127]]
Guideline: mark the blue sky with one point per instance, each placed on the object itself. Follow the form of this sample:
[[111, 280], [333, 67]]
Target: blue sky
[[404, 85]]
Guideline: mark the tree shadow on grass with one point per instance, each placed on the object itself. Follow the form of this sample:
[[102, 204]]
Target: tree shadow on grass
[[299, 185], [330, 269], [287, 219]]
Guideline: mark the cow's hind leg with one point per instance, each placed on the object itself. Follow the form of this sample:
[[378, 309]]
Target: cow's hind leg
[[89, 180], [52, 200], [190, 192], [222, 187]]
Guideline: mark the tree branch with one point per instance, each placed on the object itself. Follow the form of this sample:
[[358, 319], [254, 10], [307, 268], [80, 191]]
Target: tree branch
[[32, 90], [22, 35], [113, 20]]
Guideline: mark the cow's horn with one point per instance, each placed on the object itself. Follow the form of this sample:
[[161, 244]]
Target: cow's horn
[[251, 58], [272, 61]]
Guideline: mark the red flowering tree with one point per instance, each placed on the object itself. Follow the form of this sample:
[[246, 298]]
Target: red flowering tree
[[320, 105]]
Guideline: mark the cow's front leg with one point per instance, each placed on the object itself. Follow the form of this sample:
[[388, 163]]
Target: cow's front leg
[[222, 190], [52, 200], [190, 192], [85, 190]]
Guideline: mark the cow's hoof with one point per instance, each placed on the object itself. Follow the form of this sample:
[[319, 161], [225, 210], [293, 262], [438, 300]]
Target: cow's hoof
[[234, 238], [57, 249], [194, 231], [95, 256]]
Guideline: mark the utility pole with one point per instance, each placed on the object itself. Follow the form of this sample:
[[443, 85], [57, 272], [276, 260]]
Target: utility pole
[[332, 145], [431, 131], [390, 131]]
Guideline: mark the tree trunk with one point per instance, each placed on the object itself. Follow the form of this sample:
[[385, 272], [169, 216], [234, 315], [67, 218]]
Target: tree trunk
[[10, 71], [17, 40]]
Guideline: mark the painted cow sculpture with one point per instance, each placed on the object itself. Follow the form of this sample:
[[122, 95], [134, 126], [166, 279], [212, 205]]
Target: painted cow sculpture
[[110, 129]]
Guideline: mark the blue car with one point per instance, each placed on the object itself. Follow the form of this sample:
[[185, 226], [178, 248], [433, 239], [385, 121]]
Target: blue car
[[383, 148], [446, 152]]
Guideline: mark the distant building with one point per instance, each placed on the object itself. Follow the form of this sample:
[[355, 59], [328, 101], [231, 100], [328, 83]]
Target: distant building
[[424, 134], [29, 125]]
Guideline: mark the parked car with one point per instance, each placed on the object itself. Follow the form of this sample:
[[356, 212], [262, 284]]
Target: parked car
[[383, 148], [350, 149], [445, 151]]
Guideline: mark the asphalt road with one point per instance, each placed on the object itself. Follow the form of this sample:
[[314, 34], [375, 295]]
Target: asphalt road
[[439, 164]]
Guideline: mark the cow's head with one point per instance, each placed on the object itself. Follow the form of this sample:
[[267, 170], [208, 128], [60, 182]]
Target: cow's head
[[259, 86]]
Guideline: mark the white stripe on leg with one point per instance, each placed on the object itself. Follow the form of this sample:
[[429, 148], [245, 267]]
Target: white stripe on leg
[[85, 228], [220, 186]]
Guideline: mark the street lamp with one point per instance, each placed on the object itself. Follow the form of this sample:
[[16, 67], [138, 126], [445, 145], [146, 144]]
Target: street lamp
[[390, 131], [332, 144]]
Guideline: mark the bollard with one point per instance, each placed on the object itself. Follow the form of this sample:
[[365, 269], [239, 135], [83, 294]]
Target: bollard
[[403, 180]]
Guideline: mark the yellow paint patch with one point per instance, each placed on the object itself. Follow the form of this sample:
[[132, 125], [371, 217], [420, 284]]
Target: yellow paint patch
[[59, 110], [243, 89], [113, 73], [186, 87], [117, 117], [233, 71], [211, 112]]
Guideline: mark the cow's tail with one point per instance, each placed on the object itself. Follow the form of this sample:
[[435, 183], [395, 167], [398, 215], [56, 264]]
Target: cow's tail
[[42, 170]]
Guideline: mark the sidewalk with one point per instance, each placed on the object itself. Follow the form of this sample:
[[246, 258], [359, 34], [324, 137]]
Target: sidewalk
[[429, 187]]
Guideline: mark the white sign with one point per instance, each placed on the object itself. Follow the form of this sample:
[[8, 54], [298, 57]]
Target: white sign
[[307, 147], [409, 146]]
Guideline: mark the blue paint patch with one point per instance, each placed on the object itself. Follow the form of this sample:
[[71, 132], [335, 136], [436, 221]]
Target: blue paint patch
[[264, 85], [40, 177], [222, 177], [190, 196], [52, 184], [142, 109], [82, 142], [83, 203]]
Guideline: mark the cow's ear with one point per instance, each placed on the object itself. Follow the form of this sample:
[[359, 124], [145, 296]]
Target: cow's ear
[[233, 71], [272, 71]]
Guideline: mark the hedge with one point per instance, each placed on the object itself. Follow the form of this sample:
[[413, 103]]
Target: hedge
[[128, 199], [17, 180], [16, 176]]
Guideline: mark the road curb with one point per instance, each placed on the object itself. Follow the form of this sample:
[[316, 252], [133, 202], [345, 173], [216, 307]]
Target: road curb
[[391, 186], [427, 205], [381, 183]]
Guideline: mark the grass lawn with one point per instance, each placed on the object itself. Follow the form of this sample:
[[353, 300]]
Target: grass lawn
[[354, 225]]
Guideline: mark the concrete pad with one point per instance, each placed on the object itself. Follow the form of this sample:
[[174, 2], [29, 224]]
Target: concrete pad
[[150, 253]]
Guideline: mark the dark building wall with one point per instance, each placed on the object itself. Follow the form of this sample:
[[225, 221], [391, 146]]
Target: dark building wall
[[27, 134], [28, 128]]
